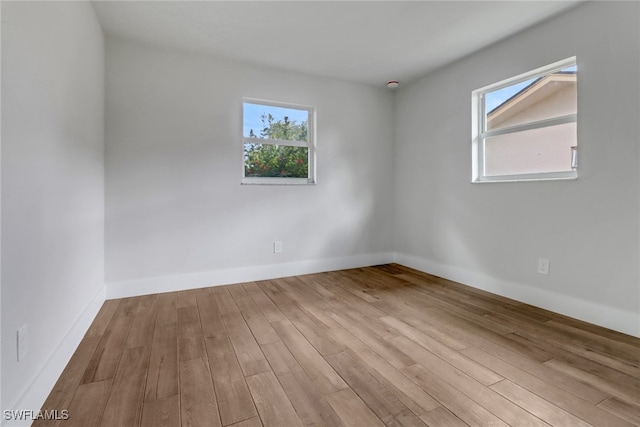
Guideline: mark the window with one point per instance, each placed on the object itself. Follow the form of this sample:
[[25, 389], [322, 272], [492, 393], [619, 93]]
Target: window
[[278, 143], [525, 128]]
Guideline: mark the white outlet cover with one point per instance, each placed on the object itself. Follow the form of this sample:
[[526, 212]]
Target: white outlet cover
[[543, 266], [277, 247]]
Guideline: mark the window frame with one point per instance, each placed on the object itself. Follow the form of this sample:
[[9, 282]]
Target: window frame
[[309, 144], [479, 133]]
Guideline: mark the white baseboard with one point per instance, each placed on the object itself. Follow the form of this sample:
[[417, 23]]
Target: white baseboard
[[152, 285], [38, 391], [588, 311]]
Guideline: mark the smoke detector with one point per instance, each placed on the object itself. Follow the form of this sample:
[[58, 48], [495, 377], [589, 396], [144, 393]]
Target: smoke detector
[[392, 84]]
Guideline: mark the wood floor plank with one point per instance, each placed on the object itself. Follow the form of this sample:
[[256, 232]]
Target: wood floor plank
[[458, 334], [190, 336], [524, 345], [313, 302], [186, 298], [250, 357], [104, 363], [425, 279], [355, 304], [161, 413], [258, 324], [162, 378], [454, 400], [197, 399], [526, 315], [565, 400], [321, 373], [430, 281], [63, 391], [381, 345], [558, 379], [628, 390], [537, 406], [412, 316], [374, 394], [234, 399], [264, 303], [371, 278], [358, 287], [85, 410], [624, 410], [251, 422], [311, 406], [481, 322], [494, 345], [471, 368], [280, 358], [406, 390], [167, 309], [579, 342], [622, 350], [315, 290], [100, 323], [210, 317], [384, 348], [269, 287], [372, 324], [141, 332], [470, 387], [314, 332], [439, 297], [124, 407], [613, 370], [405, 418], [352, 411], [442, 417], [274, 407], [584, 326]]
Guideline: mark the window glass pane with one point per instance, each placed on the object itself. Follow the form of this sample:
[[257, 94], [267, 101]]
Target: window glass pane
[[545, 97], [270, 160], [532, 151], [269, 122]]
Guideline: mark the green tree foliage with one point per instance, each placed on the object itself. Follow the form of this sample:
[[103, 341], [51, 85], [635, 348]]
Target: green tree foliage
[[270, 160]]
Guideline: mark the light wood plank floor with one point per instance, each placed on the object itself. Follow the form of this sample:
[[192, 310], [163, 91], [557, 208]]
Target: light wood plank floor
[[374, 346]]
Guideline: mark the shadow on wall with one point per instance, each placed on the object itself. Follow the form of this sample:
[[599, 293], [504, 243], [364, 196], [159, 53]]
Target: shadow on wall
[[177, 232], [348, 226]]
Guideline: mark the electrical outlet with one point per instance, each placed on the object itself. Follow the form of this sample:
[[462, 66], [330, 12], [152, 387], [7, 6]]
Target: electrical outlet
[[23, 342], [277, 247], [543, 266]]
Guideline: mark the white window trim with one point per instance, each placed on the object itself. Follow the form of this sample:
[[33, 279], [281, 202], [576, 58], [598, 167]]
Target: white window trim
[[310, 144], [479, 132]]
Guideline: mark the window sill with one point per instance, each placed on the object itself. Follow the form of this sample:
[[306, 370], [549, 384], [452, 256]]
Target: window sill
[[497, 181], [278, 181]]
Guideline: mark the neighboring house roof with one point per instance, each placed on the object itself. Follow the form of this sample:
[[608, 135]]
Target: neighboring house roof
[[534, 92]]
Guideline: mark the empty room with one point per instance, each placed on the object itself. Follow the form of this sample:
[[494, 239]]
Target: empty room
[[308, 213]]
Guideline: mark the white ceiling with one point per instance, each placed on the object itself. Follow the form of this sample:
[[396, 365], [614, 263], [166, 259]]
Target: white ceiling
[[362, 41]]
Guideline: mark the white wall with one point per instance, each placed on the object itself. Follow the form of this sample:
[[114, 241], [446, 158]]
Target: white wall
[[52, 189], [176, 214], [491, 235]]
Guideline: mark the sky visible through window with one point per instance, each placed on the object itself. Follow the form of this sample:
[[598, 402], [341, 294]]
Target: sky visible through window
[[495, 98], [254, 112]]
